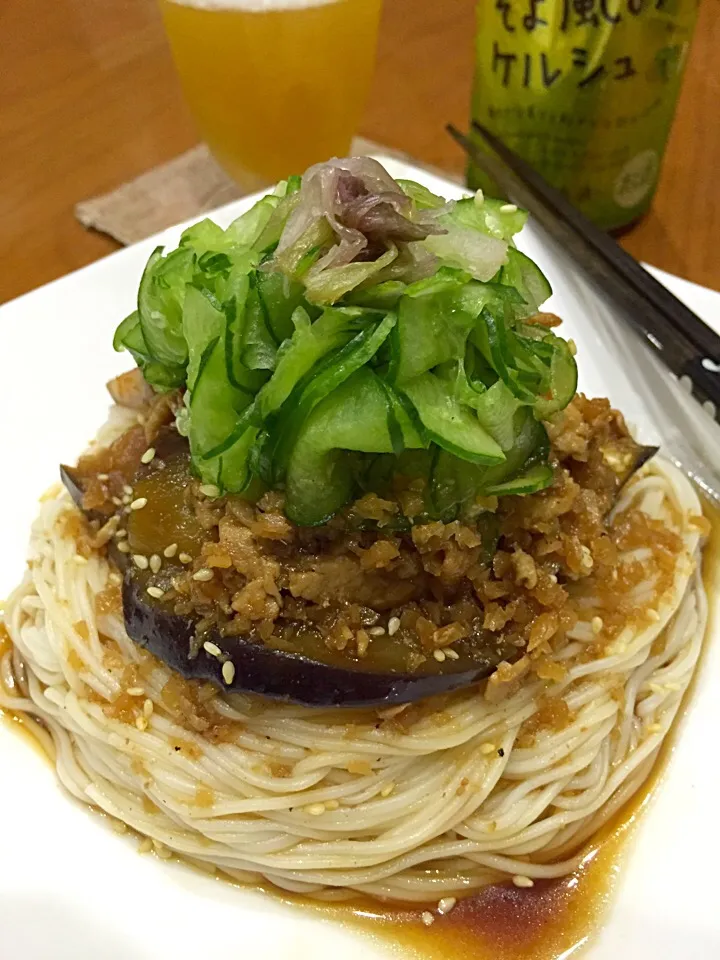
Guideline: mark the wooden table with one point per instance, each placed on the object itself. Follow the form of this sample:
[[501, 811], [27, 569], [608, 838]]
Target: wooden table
[[89, 99]]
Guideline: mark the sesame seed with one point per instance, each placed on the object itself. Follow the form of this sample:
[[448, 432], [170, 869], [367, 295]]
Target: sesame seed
[[451, 654], [331, 805], [116, 501], [120, 534], [148, 455], [140, 561], [572, 347], [127, 490], [126, 499], [439, 655], [508, 208], [376, 631], [479, 197], [212, 648], [141, 723], [393, 626], [387, 789], [135, 692], [228, 672], [156, 592], [315, 809], [139, 503], [155, 563], [103, 477], [148, 707], [210, 490], [597, 624], [203, 575], [521, 881], [446, 904], [80, 560], [488, 748], [427, 918], [170, 551], [124, 546], [185, 558], [115, 578]]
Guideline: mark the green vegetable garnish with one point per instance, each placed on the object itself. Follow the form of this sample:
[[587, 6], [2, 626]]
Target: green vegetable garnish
[[349, 328]]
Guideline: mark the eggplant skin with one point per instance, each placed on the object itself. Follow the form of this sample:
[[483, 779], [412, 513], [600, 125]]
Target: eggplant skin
[[275, 673]]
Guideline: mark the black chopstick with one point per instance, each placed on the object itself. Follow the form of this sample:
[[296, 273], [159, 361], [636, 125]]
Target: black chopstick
[[662, 320], [651, 289]]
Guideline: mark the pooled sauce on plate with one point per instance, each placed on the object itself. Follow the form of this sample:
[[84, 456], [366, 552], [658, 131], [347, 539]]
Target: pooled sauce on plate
[[552, 919]]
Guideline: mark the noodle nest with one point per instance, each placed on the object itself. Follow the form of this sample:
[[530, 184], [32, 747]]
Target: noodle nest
[[412, 803]]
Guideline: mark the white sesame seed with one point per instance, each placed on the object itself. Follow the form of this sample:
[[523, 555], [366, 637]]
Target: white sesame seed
[[103, 477], [141, 723], [126, 499], [120, 534], [139, 503], [228, 672], [451, 654], [210, 490], [521, 881], [212, 648], [488, 748], [80, 560], [446, 904], [427, 918], [393, 626], [185, 558], [315, 809], [148, 707], [116, 501], [156, 592], [170, 551], [127, 490], [508, 208], [479, 197], [572, 347], [387, 789], [124, 546], [203, 575], [135, 692], [155, 563], [439, 655], [597, 624], [376, 631], [140, 561], [148, 455]]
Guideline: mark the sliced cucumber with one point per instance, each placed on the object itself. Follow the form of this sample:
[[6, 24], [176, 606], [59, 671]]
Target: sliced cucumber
[[537, 477], [451, 425]]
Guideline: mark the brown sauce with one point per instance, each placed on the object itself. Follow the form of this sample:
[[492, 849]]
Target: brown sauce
[[550, 920]]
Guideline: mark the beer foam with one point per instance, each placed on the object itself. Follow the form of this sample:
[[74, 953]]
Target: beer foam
[[253, 6]]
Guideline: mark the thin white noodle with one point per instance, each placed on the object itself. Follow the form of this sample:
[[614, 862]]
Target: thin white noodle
[[427, 796]]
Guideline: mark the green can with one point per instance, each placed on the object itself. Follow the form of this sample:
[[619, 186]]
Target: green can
[[585, 91]]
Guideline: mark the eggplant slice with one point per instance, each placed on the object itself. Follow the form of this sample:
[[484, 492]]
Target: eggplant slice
[[275, 673], [318, 679]]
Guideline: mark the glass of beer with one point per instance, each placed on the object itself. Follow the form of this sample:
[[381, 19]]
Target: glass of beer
[[274, 85]]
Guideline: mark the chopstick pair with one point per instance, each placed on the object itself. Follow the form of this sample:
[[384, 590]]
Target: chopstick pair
[[686, 345]]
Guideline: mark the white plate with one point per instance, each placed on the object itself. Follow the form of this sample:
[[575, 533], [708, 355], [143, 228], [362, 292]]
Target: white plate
[[70, 888]]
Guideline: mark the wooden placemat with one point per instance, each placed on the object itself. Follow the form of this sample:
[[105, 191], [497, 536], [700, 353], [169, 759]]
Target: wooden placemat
[[183, 188]]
